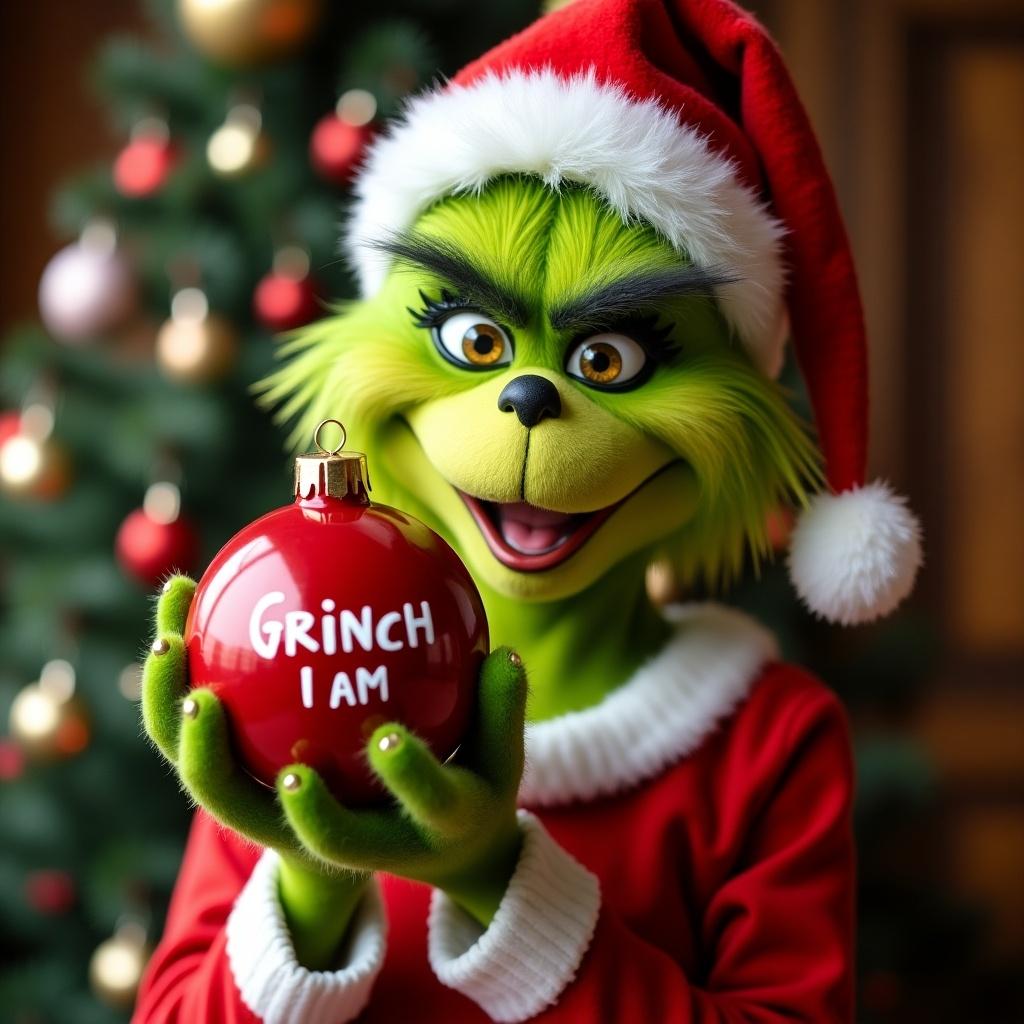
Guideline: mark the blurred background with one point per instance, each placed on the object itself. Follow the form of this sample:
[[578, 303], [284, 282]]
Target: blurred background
[[172, 182]]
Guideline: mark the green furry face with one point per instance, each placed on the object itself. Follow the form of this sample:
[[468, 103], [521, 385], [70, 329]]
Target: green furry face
[[554, 392]]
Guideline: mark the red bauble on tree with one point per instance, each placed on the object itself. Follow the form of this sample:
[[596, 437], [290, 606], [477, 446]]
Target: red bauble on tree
[[155, 540], [339, 140], [286, 298], [10, 424], [329, 617], [144, 165], [50, 891]]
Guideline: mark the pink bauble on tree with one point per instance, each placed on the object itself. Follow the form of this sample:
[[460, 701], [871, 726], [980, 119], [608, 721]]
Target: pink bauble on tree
[[329, 617], [87, 288]]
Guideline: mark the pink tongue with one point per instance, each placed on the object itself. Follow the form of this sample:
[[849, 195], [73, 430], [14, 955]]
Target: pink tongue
[[530, 529]]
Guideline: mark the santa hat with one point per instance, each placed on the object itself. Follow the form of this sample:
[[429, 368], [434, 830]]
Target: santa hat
[[680, 113]]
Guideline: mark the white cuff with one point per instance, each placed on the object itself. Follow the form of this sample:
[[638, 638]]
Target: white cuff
[[273, 984], [536, 941]]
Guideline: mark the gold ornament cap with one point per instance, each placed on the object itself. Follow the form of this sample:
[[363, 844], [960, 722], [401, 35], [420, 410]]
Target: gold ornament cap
[[332, 473]]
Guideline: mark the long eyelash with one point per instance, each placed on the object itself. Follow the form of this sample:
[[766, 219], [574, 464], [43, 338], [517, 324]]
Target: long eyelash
[[436, 311], [655, 338]]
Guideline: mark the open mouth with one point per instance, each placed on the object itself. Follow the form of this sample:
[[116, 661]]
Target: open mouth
[[527, 538]]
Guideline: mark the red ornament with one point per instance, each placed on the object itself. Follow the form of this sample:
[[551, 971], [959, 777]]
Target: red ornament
[[142, 167], [12, 760], [779, 527], [154, 541], [328, 617], [10, 424], [282, 302], [50, 891], [337, 146]]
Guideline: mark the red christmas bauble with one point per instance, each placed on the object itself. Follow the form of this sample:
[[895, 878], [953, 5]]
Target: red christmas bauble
[[282, 302], [142, 167], [780, 527], [50, 891], [336, 147], [329, 617], [12, 760], [150, 550], [10, 424]]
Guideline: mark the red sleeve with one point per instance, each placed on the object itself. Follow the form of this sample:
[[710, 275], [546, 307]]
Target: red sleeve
[[778, 933], [188, 978]]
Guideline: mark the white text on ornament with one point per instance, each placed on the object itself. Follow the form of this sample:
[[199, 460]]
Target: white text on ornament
[[342, 689], [391, 631]]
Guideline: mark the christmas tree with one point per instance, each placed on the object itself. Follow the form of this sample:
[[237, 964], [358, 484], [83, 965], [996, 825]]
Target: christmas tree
[[130, 441], [130, 444]]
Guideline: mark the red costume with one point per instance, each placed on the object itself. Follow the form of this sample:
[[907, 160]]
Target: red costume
[[710, 797]]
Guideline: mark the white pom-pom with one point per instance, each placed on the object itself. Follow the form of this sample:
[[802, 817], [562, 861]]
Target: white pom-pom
[[854, 556]]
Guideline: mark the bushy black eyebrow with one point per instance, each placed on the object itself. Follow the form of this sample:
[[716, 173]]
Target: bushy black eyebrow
[[457, 269], [634, 293]]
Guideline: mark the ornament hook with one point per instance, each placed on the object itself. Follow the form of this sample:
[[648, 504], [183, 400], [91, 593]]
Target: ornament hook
[[316, 436]]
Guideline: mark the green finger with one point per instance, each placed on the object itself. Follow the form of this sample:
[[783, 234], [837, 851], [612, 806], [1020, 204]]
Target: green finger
[[364, 841], [496, 750], [435, 797], [211, 774], [173, 604], [163, 687]]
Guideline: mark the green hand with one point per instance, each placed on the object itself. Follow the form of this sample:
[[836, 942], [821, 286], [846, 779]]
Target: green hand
[[453, 825], [190, 729]]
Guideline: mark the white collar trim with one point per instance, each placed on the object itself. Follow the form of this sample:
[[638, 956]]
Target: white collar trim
[[662, 714]]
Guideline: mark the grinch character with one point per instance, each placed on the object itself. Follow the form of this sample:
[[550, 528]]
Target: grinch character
[[577, 261]]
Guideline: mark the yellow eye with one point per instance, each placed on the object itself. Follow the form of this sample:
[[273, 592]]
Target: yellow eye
[[473, 341], [608, 360]]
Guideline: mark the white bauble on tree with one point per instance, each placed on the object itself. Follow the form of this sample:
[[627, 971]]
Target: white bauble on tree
[[117, 965], [87, 288]]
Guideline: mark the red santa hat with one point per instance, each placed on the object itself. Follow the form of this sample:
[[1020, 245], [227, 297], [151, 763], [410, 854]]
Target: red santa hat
[[680, 114]]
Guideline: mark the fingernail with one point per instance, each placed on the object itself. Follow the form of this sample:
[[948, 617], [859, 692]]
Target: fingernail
[[160, 646], [291, 782], [390, 742], [190, 709], [514, 659]]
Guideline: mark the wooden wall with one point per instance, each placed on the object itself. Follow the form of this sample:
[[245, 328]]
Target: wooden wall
[[919, 105], [52, 126]]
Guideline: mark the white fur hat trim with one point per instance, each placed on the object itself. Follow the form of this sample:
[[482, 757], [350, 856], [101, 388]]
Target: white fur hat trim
[[646, 163]]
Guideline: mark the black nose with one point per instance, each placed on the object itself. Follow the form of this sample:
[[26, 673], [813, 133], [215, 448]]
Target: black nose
[[531, 398]]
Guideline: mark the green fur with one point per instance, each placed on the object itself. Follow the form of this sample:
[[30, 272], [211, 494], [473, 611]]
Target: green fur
[[698, 456], [737, 447], [451, 826], [371, 366]]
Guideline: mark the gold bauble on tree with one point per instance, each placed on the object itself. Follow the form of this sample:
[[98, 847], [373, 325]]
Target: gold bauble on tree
[[32, 463], [663, 583], [195, 345], [239, 145], [117, 964], [242, 33], [47, 720]]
